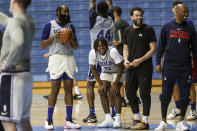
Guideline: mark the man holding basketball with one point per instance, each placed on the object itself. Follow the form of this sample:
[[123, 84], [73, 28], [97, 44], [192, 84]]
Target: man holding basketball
[[61, 64]]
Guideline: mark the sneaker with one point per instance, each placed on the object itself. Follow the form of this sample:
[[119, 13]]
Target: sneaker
[[162, 126], [71, 125], [49, 125], [140, 126], [77, 96], [90, 119], [46, 97], [106, 123], [192, 116], [181, 127], [175, 112], [135, 122], [117, 123], [124, 103]]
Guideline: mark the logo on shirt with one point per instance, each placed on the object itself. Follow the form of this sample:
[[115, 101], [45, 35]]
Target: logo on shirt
[[179, 34], [140, 35]]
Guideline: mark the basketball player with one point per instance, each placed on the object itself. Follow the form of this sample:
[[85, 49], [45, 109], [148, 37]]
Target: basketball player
[[16, 80], [61, 64], [177, 41], [110, 80], [101, 26]]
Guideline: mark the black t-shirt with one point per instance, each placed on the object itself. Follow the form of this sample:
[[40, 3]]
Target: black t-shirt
[[138, 41], [120, 26]]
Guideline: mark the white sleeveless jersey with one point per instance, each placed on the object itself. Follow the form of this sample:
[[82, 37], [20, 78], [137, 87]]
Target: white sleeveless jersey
[[57, 47], [107, 63], [103, 28]]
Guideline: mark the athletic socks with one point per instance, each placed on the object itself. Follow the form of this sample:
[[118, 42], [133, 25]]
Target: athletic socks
[[50, 113], [113, 111], [69, 112], [193, 106], [92, 111], [77, 90]]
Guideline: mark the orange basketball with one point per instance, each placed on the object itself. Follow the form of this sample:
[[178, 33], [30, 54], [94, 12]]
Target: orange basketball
[[66, 36]]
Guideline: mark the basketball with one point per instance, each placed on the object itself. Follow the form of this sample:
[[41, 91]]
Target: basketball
[[66, 36]]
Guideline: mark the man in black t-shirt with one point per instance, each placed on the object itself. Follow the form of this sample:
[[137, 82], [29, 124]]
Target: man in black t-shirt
[[139, 47]]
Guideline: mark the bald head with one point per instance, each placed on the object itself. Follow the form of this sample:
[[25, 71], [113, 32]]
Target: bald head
[[180, 13]]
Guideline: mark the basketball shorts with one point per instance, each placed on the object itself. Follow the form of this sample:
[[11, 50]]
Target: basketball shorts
[[111, 77], [60, 64], [15, 96]]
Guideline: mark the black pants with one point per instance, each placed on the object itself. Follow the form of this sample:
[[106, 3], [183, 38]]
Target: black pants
[[1, 127], [141, 78], [171, 74]]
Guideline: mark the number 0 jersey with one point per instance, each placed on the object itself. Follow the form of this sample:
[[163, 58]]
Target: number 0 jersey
[[108, 61]]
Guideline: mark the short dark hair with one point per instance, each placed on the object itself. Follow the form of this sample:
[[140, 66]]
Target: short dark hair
[[177, 2], [59, 8], [102, 40], [134, 9], [102, 8], [118, 10], [24, 3]]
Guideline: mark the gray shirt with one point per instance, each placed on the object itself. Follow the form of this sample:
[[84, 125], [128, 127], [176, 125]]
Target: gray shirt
[[17, 42]]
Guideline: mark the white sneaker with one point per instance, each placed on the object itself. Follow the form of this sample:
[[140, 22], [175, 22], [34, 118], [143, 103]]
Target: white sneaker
[[192, 116], [175, 112], [162, 126], [71, 125], [106, 123], [117, 123], [181, 127], [48, 125]]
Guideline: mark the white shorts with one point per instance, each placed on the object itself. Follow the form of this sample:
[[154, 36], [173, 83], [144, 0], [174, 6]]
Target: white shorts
[[60, 64], [15, 96], [111, 77]]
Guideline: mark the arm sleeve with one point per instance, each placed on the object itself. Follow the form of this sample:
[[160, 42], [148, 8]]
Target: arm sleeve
[[161, 46], [92, 17], [46, 31], [116, 56], [3, 19], [17, 40], [92, 57]]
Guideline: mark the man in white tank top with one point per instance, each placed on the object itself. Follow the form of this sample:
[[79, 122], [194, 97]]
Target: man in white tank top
[[61, 64], [110, 79]]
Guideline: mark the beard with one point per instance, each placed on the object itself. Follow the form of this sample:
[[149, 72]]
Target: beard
[[138, 23], [64, 19]]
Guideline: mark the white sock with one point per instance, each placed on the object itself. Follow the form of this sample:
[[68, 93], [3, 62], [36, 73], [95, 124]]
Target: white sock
[[77, 90], [178, 111], [137, 116], [108, 116], [145, 119]]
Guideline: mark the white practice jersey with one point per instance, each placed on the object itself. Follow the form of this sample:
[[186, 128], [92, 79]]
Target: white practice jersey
[[108, 61], [103, 28]]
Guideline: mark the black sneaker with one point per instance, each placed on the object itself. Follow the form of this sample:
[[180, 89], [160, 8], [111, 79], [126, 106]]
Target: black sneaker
[[77, 96], [46, 97], [90, 119]]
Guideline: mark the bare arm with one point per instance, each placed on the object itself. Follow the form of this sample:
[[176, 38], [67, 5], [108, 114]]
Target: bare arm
[[109, 2], [126, 55], [92, 4], [47, 42], [148, 55], [119, 73], [74, 44], [96, 75]]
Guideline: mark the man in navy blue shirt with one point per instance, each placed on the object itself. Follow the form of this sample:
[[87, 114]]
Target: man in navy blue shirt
[[176, 111], [177, 40]]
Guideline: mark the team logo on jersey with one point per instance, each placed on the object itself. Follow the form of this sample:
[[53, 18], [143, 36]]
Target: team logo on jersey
[[179, 34], [140, 35]]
